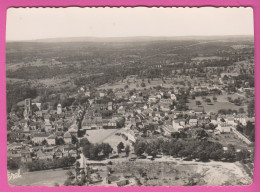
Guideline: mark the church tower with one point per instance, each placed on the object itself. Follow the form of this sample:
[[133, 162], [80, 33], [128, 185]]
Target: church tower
[[59, 109], [27, 108]]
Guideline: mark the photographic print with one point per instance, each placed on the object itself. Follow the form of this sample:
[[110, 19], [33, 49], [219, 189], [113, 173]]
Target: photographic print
[[130, 96]]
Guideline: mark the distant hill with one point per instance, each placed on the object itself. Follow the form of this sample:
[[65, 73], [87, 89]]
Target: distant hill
[[140, 38]]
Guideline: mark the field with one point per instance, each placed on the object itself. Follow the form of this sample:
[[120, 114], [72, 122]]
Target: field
[[106, 136], [184, 173], [230, 138], [169, 83], [40, 178], [221, 103]]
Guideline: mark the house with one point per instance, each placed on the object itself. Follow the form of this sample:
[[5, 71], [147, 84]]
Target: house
[[26, 155], [168, 130], [231, 121], [193, 122], [58, 153], [152, 99], [39, 137], [51, 140], [223, 128], [44, 156], [173, 97], [109, 123], [73, 130], [110, 106], [48, 149], [166, 101], [176, 124], [67, 138], [121, 110], [199, 110], [48, 125], [139, 99]]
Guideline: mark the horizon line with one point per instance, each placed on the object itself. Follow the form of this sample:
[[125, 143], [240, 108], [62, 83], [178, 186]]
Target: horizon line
[[111, 37]]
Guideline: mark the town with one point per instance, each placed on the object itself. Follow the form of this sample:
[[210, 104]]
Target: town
[[132, 123]]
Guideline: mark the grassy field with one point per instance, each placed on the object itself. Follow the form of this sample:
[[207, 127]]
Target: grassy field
[[221, 103], [40, 178], [106, 136], [230, 138], [137, 84]]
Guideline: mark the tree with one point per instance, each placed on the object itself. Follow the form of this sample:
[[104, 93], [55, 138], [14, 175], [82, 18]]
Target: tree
[[152, 148], [74, 139], [208, 100], [120, 146], [45, 106], [139, 147], [250, 130], [198, 103], [127, 150], [34, 108], [56, 184], [59, 141], [13, 164], [77, 167], [217, 155], [241, 110], [44, 142], [211, 126], [203, 156], [230, 154], [143, 84], [68, 182], [83, 142], [70, 174], [243, 154], [201, 134], [107, 149]]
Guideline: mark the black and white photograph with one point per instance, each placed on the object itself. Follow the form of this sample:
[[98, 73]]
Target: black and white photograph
[[130, 96]]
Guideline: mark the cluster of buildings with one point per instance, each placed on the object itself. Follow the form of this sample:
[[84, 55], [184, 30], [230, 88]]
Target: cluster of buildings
[[140, 113], [43, 134]]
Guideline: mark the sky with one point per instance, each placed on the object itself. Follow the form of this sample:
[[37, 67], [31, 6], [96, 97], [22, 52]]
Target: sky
[[42, 23]]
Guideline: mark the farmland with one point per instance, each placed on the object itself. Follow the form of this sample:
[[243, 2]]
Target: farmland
[[221, 103]]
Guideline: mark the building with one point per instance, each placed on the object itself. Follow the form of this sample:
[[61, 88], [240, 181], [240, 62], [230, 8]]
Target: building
[[178, 124], [27, 108], [51, 140], [152, 99], [59, 109], [193, 122], [168, 130], [110, 106], [166, 101], [39, 137], [223, 128], [67, 138], [173, 97]]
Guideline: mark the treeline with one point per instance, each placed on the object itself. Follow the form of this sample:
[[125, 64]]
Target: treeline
[[95, 151], [18, 92], [109, 75], [190, 149], [40, 72], [248, 130], [38, 165]]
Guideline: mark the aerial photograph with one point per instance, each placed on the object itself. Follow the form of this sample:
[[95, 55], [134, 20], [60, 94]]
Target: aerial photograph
[[130, 96]]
